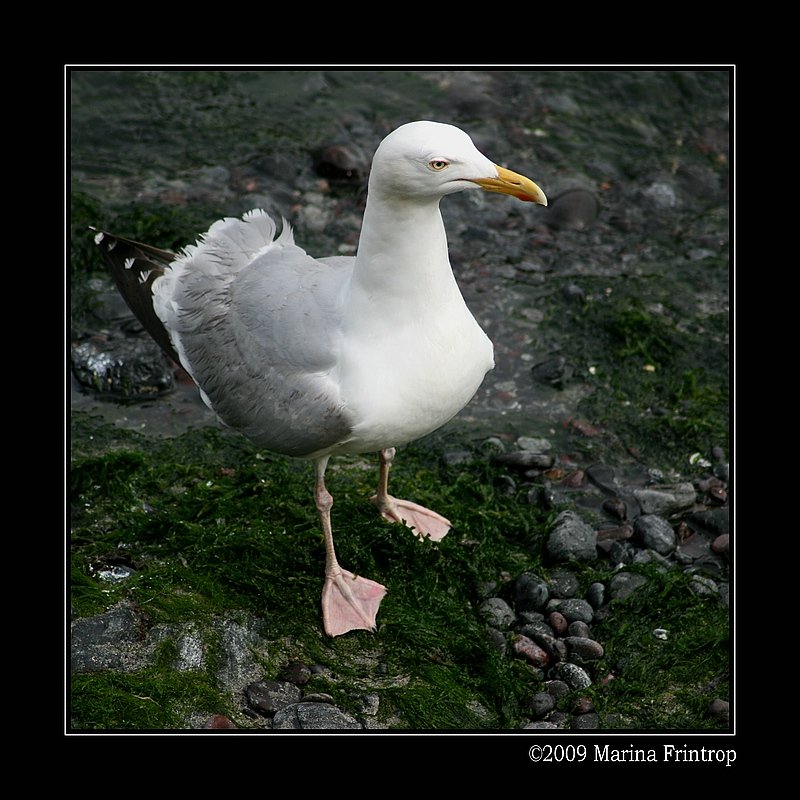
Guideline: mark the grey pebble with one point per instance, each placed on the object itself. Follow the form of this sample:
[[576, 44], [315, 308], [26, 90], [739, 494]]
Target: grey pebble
[[702, 585], [558, 688], [314, 717], [542, 703], [624, 584], [586, 722], [539, 726], [496, 613], [573, 609], [571, 539], [666, 499], [530, 592], [269, 697], [655, 533], [596, 595], [563, 584], [498, 641], [581, 647], [574, 676], [579, 628]]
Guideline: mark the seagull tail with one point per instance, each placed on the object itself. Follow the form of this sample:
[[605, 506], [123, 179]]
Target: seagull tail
[[134, 267]]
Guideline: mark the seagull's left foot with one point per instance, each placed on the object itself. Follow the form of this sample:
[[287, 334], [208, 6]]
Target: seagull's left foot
[[349, 602], [424, 522]]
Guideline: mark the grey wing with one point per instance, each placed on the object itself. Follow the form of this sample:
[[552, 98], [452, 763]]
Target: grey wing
[[264, 350]]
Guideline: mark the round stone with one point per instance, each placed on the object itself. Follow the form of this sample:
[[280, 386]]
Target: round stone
[[496, 613], [655, 533]]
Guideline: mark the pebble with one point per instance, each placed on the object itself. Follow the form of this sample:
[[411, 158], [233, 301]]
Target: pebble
[[614, 534], [720, 544], [624, 584], [524, 459], [496, 613], [542, 703], [527, 648], [583, 648], [219, 722], [596, 595], [655, 533], [535, 444], [571, 539], [563, 584], [586, 722], [702, 585], [666, 499], [574, 676], [558, 688], [573, 609], [297, 673], [531, 592], [558, 622], [579, 628], [574, 209], [720, 708], [314, 717], [539, 726], [269, 697]]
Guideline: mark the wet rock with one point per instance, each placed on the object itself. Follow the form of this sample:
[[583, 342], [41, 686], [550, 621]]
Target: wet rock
[[498, 641], [530, 592], [715, 521], [528, 649], [571, 539], [105, 641], [524, 459], [652, 557], [579, 628], [314, 717], [540, 725], [457, 457], [585, 722], [702, 585], [297, 673], [563, 584], [574, 209], [317, 697], [554, 371], [582, 649], [596, 595], [693, 547], [624, 584], [496, 613], [128, 369], [655, 533], [666, 500], [573, 609], [536, 444], [574, 676], [720, 708], [558, 622], [542, 703], [269, 697], [558, 688], [219, 722], [615, 507], [720, 544], [342, 162]]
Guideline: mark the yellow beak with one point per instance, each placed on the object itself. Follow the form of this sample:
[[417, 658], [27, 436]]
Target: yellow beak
[[508, 182]]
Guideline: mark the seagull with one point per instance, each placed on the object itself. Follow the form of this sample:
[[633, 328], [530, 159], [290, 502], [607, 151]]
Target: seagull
[[320, 357]]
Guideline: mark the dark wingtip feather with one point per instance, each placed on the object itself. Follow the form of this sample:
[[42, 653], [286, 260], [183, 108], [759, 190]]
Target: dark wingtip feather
[[134, 266]]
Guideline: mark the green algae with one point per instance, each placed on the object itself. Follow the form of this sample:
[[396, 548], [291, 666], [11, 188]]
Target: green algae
[[213, 527]]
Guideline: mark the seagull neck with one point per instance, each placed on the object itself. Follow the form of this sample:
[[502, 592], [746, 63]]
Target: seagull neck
[[403, 248]]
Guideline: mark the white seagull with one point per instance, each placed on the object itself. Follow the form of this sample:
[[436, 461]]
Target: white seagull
[[314, 358]]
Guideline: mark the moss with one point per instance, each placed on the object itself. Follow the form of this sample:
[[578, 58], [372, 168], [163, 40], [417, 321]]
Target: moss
[[213, 527], [660, 373]]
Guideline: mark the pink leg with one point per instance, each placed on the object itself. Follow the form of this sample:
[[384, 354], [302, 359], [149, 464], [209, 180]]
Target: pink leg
[[423, 521], [349, 602]]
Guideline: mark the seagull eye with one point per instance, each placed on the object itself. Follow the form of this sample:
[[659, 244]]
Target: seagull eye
[[438, 164]]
